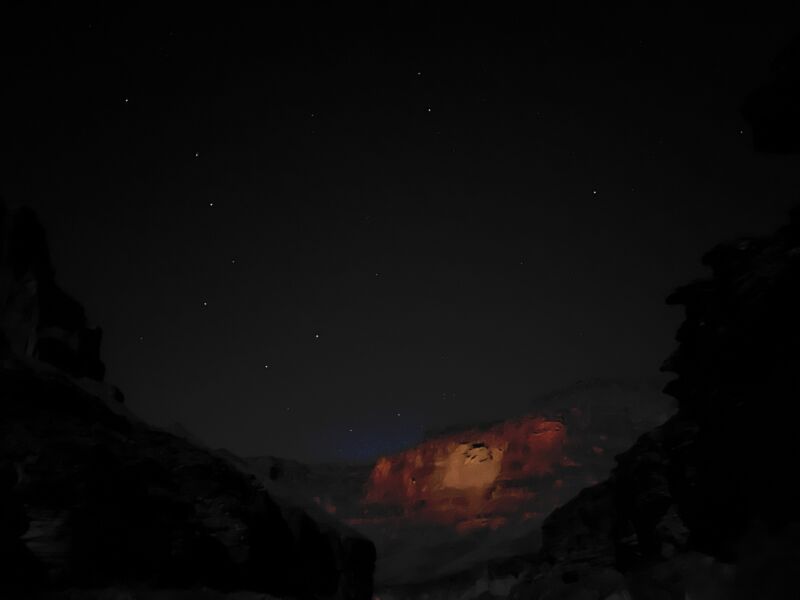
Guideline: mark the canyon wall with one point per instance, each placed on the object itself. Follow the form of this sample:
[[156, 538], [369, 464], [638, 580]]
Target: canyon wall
[[514, 470], [94, 502], [38, 319], [474, 478], [468, 495]]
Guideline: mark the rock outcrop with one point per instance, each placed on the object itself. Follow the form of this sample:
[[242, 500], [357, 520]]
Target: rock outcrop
[[518, 469], [474, 478], [441, 511], [704, 505], [773, 110], [39, 319], [92, 498]]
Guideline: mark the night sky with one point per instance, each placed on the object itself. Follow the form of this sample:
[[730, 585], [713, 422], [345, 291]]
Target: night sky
[[318, 235]]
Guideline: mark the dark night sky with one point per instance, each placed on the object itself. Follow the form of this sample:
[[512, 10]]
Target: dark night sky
[[414, 221]]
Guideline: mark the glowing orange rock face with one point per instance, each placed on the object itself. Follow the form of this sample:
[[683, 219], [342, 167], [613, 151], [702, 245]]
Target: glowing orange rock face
[[475, 478]]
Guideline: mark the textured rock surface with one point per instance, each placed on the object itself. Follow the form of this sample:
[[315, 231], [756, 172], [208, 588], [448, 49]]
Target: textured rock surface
[[469, 479], [519, 469], [442, 511]]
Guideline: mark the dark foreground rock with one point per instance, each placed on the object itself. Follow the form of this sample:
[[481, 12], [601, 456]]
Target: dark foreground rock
[[773, 109], [37, 317], [94, 503], [91, 499], [704, 506]]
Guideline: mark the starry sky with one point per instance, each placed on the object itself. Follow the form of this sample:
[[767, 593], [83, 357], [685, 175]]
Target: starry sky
[[318, 235]]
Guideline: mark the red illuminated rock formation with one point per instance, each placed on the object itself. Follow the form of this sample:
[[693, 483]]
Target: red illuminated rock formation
[[466, 495], [512, 471], [470, 479]]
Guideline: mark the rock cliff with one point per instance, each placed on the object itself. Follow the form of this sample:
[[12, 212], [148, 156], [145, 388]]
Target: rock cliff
[[518, 469], [467, 497], [39, 319], [92, 498], [705, 505]]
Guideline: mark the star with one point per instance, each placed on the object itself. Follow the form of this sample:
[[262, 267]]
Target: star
[[126, 100], [419, 73], [316, 336], [197, 155], [205, 303], [594, 192], [233, 261], [266, 366], [429, 110], [398, 414], [211, 204]]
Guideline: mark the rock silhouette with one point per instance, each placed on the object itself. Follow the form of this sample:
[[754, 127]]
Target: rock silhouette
[[703, 505], [94, 498], [773, 110], [450, 512], [39, 318]]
